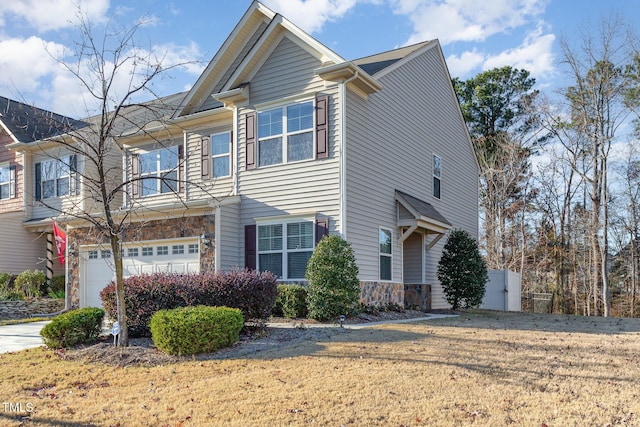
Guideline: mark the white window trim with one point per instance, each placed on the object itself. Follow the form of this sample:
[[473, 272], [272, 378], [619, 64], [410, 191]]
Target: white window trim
[[10, 182], [284, 221], [283, 106], [217, 156], [380, 254], [439, 177], [56, 175], [159, 172]]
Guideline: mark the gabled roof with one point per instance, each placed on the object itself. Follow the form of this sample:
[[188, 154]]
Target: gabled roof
[[420, 209], [375, 63], [26, 123]]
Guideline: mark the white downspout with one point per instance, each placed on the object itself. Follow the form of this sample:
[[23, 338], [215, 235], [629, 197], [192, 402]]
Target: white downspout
[[343, 155]]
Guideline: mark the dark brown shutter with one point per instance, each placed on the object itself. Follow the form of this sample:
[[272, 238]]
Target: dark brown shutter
[[13, 187], [251, 134], [322, 228], [322, 127], [74, 189], [135, 175], [250, 252], [38, 181], [205, 168], [181, 178]]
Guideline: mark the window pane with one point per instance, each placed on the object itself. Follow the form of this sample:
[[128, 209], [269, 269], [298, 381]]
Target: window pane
[[149, 186], [297, 264], [220, 143], [4, 175], [147, 251], [163, 250], [385, 267], [48, 170], [62, 168], [300, 235], [436, 187], [300, 147], [193, 248], [385, 241], [270, 237], [63, 186], [270, 123], [221, 167], [169, 182], [148, 163], [169, 158], [270, 152], [299, 117], [4, 191], [272, 263], [132, 251], [177, 249], [436, 166], [48, 189]]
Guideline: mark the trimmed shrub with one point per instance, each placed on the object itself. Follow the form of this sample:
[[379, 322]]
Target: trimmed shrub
[[332, 273], [291, 301], [254, 293], [462, 271], [74, 327], [192, 330], [31, 283], [7, 290]]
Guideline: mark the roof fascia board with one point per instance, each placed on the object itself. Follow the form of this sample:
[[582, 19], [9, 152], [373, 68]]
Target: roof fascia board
[[407, 58], [364, 83], [6, 129]]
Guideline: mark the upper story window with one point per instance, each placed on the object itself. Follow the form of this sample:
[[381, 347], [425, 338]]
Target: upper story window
[[285, 134], [7, 182], [159, 171], [437, 175], [56, 177], [290, 133], [221, 154], [386, 256]]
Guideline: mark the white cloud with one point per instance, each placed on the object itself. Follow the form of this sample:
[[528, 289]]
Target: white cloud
[[465, 20], [311, 15], [52, 14], [460, 65], [534, 55]]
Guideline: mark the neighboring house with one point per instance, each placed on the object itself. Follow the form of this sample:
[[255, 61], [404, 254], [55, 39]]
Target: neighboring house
[[281, 141], [26, 230]]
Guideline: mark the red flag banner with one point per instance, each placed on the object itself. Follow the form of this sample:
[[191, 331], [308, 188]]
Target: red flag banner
[[61, 242]]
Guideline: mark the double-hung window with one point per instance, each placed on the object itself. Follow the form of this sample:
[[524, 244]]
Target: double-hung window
[[54, 177], [386, 256], [221, 154], [437, 175], [285, 134], [159, 171], [284, 249], [7, 182]]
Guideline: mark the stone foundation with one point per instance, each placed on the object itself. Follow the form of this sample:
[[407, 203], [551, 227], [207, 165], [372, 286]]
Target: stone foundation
[[25, 309], [417, 296], [382, 293]]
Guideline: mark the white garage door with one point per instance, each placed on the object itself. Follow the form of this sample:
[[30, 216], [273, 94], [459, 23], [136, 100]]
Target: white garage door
[[148, 257]]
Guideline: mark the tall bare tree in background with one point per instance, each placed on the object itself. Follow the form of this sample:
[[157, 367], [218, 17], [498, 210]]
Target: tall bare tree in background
[[113, 71]]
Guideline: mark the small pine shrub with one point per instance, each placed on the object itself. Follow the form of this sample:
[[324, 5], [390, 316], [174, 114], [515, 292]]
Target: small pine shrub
[[74, 327], [31, 283], [462, 271], [193, 330], [291, 301], [332, 273]]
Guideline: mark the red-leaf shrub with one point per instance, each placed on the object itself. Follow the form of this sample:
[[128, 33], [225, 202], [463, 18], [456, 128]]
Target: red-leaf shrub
[[254, 293]]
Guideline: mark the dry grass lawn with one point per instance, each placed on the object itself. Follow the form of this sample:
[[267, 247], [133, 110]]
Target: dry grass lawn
[[488, 369]]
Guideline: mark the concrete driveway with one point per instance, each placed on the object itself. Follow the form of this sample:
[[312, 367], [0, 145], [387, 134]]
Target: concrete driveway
[[21, 336]]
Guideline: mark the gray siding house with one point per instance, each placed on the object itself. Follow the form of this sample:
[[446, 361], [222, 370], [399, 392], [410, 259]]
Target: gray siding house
[[281, 141]]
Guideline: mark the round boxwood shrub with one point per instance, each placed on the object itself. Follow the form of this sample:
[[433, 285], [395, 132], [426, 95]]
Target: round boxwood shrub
[[192, 330], [291, 301], [462, 271], [74, 327], [332, 273]]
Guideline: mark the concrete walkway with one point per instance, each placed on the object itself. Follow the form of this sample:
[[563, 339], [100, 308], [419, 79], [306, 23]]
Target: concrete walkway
[[21, 336]]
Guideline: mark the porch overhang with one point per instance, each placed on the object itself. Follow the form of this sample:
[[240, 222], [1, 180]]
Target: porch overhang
[[415, 214]]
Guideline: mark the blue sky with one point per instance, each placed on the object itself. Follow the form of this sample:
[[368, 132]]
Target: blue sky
[[475, 35]]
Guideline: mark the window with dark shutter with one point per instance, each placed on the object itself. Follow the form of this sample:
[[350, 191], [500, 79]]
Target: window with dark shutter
[[38, 184], [181, 179], [135, 175], [322, 228], [13, 182], [251, 135], [73, 175], [250, 247], [322, 127], [205, 168]]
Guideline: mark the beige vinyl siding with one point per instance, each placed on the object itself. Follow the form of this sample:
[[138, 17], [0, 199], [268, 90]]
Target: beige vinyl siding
[[302, 188], [391, 139], [51, 207], [231, 237], [21, 249]]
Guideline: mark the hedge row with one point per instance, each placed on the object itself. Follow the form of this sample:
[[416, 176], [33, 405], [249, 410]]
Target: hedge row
[[252, 292]]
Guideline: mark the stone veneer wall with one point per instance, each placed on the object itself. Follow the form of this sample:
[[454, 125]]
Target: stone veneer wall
[[173, 228], [382, 293], [417, 296], [24, 309]]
